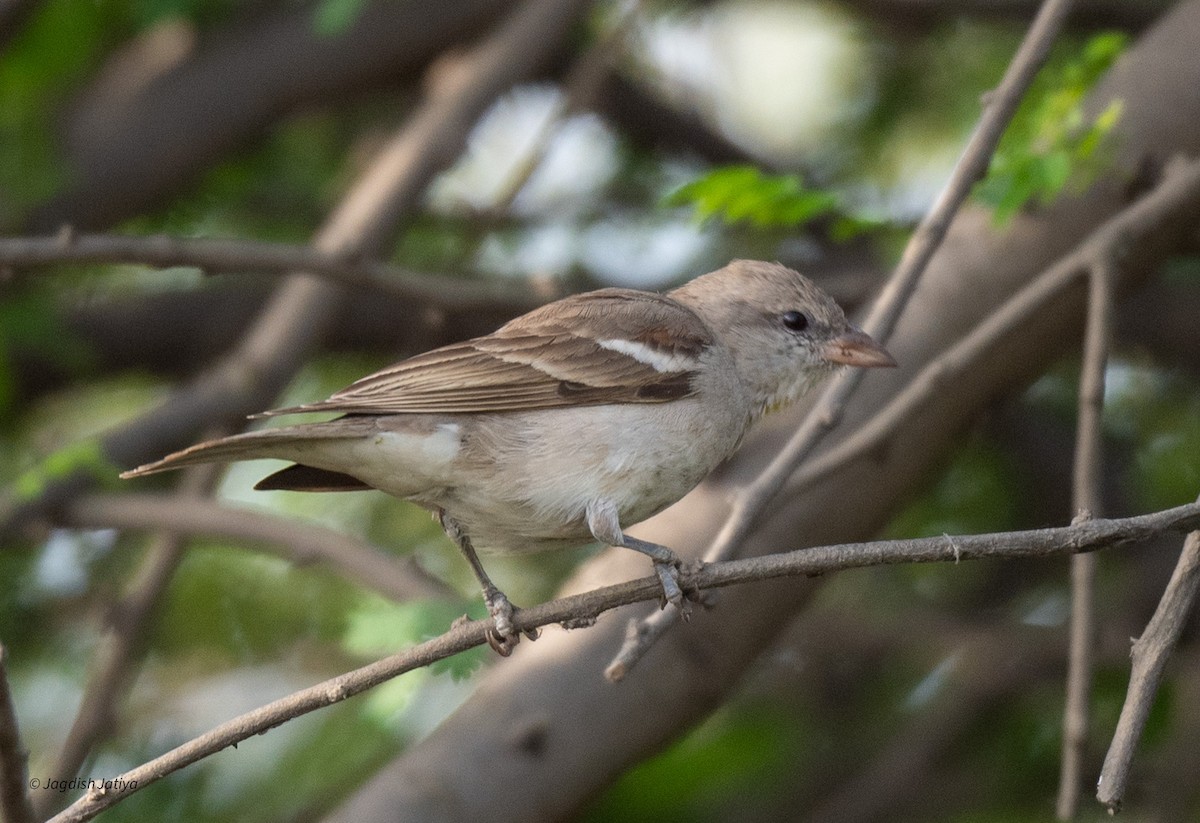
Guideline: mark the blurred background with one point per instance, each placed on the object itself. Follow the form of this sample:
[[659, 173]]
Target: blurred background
[[657, 141]]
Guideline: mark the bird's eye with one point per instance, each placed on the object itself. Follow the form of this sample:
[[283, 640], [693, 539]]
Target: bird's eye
[[795, 320]]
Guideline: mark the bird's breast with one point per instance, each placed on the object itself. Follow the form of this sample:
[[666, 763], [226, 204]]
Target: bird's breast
[[527, 478]]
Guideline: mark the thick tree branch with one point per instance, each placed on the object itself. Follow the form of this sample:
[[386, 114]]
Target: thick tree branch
[[755, 497], [225, 255], [583, 609]]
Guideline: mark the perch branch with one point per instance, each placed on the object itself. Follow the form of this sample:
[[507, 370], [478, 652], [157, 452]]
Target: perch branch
[[582, 609]]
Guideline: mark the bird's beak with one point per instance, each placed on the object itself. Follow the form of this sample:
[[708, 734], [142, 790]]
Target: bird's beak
[[856, 348]]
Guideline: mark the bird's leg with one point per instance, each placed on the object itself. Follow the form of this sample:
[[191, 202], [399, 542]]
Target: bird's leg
[[666, 566], [505, 636], [606, 527]]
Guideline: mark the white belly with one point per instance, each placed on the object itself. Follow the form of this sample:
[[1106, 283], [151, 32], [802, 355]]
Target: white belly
[[535, 493], [523, 481]]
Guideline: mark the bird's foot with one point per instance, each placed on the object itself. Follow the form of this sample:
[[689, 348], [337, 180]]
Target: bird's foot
[[503, 636], [668, 578]]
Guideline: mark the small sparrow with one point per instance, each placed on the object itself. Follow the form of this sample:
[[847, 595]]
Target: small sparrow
[[572, 421]]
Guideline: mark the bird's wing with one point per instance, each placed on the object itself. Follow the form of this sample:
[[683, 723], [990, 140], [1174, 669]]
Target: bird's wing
[[608, 346]]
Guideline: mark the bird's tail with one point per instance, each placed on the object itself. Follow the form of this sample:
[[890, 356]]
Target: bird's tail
[[281, 442]]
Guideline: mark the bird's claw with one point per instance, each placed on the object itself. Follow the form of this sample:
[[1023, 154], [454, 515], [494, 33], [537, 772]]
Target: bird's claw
[[503, 636], [672, 593]]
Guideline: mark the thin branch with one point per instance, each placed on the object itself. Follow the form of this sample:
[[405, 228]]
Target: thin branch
[[14, 777], [1087, 503], [114, 665], [301, 543], [583, 609], [1150, 654], [753, 499], [227, 255], [1088, 470]]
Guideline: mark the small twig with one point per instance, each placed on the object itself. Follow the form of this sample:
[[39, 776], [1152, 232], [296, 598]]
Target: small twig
[[754, 498], [301, 543], [14, 777], [1150, 654], [214, 255], [1086, 495], [585, 607]]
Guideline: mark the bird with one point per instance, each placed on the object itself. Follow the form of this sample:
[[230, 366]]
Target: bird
[[571, 422]]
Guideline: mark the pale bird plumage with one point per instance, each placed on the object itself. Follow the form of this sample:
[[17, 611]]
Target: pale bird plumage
[[573, 421]]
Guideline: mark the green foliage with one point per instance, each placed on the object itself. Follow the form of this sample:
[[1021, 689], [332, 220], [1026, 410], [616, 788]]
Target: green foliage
[[247, 606], [1166, 471], [744, 194], [61, 41], [21, 631], [146, 13], [379, 627], [277, 190], [974, 494], [733, 754], [739, 194], [83, 456], [334, 17], [1049, 148], [31, 322]]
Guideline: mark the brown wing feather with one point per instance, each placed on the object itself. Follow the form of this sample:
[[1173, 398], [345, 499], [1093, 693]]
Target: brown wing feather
[[548, 358]]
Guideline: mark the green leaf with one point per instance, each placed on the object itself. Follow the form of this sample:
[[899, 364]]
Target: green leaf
[[1050, 148], [743, 194]]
